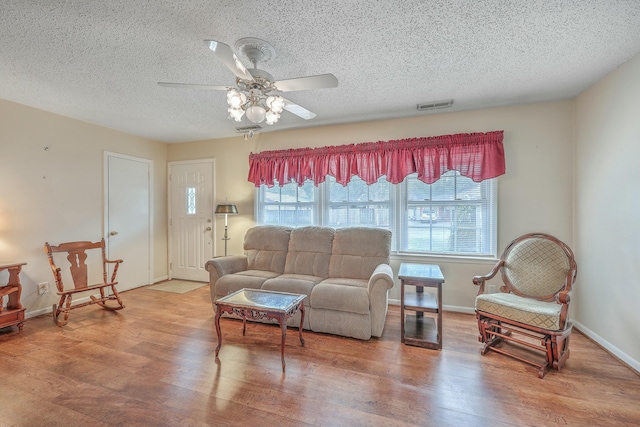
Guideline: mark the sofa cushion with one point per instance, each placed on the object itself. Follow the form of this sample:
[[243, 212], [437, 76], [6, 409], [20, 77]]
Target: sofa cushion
[[309, 251], [266, 247], [349, 295], [252, 279], [529, 311], [293, 283], [357, 251]]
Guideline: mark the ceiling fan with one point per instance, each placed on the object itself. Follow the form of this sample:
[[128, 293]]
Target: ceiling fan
[[257, 91]]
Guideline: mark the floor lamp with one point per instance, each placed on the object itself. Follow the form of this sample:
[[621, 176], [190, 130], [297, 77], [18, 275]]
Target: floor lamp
[[226, 209]]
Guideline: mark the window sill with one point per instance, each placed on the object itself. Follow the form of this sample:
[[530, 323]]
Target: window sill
[[406, 257]]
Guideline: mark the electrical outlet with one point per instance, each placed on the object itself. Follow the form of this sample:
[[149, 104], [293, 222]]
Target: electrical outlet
[[43, 288], [492, 289]]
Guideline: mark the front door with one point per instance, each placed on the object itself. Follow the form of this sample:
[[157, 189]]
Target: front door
[[191, 218], [128, 218]]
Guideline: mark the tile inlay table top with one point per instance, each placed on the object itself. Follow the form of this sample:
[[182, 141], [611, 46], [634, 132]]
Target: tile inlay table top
[[256, 304]]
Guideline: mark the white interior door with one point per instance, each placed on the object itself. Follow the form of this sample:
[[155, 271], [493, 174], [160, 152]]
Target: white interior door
[[191, 218], [128, 218]]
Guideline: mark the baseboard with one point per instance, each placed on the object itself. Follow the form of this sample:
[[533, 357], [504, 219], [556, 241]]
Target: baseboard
[[610, 348], [49, 309], [160, 279]]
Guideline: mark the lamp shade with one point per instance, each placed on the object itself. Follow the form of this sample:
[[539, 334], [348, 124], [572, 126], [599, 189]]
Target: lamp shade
[[226, 208]]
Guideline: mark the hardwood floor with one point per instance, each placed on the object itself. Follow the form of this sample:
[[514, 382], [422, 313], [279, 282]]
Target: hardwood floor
[[153, 364]]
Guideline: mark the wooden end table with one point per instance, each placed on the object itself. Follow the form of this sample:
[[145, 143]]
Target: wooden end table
[[256, 304], [416, 329], [14, 313]]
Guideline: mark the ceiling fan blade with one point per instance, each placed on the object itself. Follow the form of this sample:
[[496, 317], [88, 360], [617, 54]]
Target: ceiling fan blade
[[298, 110], [321, 81], [226, 55], [194, 86]]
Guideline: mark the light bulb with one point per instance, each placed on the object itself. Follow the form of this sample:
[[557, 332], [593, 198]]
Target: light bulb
[[236, 99], [256, 113], [236, 113], [271, 117], [275, 104]]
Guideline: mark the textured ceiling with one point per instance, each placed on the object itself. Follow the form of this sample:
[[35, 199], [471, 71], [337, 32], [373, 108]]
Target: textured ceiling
[[99, 61]]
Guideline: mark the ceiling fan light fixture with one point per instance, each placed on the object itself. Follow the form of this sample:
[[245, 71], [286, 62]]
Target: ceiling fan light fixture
[[256, 113]]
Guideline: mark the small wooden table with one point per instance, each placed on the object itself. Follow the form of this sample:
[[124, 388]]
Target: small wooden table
[[14, 313], [416, 329], [256, 304]]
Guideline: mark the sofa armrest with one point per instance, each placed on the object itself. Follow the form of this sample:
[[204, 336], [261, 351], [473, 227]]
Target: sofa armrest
[[378, 288], [382, 277], [218, 267]]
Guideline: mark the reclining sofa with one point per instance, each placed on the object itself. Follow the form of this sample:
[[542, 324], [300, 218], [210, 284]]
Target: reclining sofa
[[344, 273]]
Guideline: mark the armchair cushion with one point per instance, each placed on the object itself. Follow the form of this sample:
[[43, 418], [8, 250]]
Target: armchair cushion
[[541, 314]]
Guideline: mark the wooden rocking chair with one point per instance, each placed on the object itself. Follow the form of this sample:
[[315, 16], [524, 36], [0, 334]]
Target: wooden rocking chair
[[531, 309], [77, 256]]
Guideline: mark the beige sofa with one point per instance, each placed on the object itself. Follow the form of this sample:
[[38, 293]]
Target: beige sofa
[[344, 273]]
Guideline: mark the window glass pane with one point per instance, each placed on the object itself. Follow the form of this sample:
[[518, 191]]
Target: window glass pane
[[445, 188], [271, 195], [191, 201], [379, 191], [417, 190], [337, 193]]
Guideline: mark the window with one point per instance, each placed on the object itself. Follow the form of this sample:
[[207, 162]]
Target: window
[[288, 205], [191, 200], [357, 204], [452, 216]]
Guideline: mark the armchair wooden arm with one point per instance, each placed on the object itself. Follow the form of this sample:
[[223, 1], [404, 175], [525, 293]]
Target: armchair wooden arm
[[480, 280]]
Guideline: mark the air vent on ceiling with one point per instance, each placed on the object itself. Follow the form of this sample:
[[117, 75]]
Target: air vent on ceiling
[[246, 129], [435, 105]]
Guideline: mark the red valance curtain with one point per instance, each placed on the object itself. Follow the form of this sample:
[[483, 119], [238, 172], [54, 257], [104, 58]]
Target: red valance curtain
[[478, 156]]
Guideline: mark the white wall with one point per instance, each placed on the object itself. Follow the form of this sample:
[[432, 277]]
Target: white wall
[[534, 195], [607, 220], [56, 195]]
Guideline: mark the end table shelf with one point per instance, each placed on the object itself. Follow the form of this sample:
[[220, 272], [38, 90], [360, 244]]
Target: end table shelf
[[13, 314], [416, 328]]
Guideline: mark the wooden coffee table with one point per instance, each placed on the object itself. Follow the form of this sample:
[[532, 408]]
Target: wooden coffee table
[[256, 304]]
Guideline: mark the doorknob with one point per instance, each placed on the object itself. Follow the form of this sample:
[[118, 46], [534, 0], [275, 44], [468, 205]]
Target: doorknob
[[207, 229], [113, 233]]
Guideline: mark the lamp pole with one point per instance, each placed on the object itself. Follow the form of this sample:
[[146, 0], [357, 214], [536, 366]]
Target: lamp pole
[[226, 235]]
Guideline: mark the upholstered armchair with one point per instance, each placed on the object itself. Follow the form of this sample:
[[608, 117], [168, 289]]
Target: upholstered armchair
[[531, 309]]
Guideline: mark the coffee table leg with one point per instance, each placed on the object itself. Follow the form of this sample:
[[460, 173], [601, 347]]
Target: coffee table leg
[[283, 326], [301, 322], [218, 313]]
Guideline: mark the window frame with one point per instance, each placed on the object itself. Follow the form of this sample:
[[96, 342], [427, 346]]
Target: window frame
[[398, 216]]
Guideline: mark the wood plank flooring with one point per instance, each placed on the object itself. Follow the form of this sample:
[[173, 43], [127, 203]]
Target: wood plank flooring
[[153, 364]]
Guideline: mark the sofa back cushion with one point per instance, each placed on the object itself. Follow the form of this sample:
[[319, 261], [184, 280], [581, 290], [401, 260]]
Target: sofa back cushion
[[309, 251], [357, 251], [266, 247]]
